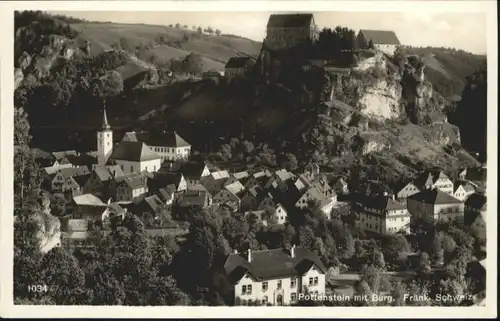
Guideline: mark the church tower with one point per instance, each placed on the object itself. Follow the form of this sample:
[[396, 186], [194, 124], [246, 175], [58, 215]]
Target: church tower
[[104, 141]]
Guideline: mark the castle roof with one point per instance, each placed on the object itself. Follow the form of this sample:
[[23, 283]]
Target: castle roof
[[380, 37], [290, 20]]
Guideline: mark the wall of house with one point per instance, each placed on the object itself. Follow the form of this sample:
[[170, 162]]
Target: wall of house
[[172, 153], [150, 165], [280, 214], [419, 209], [275, 287], [313, 275], [371, 222], [444, 185], [234, 72], [129, 167], [447, 212], [397, 221]]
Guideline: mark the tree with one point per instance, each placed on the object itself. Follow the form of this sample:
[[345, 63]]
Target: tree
[[126, 45], [217, 32], [177, 25], [210, 30], [379, 261], [199, 29], [291, 163], [193, 63]]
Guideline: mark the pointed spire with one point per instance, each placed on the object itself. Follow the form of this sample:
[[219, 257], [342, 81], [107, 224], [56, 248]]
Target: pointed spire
[[105, 124]]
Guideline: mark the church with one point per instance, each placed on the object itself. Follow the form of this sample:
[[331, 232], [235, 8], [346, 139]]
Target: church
[[131, 156]]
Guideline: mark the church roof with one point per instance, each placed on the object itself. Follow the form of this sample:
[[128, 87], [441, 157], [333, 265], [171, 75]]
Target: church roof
[[105, 124], [165, 139], [133, 151]]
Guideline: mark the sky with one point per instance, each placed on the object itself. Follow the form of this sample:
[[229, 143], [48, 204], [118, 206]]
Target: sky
[[459, 30]]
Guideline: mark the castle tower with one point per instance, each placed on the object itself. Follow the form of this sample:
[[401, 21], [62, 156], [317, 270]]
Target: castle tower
[[104, 141]]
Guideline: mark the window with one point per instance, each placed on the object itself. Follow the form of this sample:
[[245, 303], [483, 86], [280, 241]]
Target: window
[[316, 280], [264, 299], [249, 289], [293, 296], [279, 284], [264, 286], [293, 282], [244, 289], [311, 281]]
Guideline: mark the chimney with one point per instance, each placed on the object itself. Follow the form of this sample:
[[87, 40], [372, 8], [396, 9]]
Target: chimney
[[292, 251], [249, 258]]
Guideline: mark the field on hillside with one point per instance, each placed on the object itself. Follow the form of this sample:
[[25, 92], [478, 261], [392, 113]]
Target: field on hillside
[[178, 42]]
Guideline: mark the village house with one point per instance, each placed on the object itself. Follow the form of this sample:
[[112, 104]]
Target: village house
[[148, 208], [167, 144], [383, 215], [44, 159], [230, 194], [166, 195], [382, 40], [273, 277], [435, 205], [313, 194], [193, 172], [238, 67], [277, 213], [250, 198], [100, 179], [64, 158], [173, 181], [58, 179], [475, 213], [215, 182], [434, 179], [462, 190], [285, 31], [91, 208], [131, 188], [73, 186], [341, 186], [407, 191], [195, 198], [74, 232]]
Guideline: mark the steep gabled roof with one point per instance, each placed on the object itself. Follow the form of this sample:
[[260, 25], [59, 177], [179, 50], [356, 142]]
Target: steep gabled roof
[[269, 264], [434, 196], [380, 37], [88, 199], [134, 180], [65, 153], [476, 201], [73, 171], [429, 177], [298, 20], [133, 151]]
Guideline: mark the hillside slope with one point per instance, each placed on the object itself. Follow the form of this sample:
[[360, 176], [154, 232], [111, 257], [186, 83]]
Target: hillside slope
[[165, 42]]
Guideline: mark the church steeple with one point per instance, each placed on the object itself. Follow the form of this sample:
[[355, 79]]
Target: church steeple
[[105, 124]]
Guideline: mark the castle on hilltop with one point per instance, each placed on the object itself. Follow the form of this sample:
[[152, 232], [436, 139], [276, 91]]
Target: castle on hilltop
[[285, 31]]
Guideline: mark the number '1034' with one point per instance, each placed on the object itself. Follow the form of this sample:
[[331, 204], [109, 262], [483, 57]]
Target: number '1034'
[[38, 288]]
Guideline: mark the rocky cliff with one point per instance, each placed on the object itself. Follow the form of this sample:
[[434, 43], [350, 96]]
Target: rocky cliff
[[48, 233]]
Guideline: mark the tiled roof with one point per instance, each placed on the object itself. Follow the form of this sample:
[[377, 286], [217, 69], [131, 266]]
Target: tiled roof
[[73, 171], [198, 187], [135, 180], [164, 194], [429, 178], [235, 188], [192, 170], [284, 175], [434, 196], [133, 151], [154, 202], [300, 20], [41, 154], [383, 203], [380, 37], [240, 175], [193, 198], [476, 201], [116, 208], [165, 139], [239, 62], [220, 175], [103, 173], [88, 199], [270, 264], [62, 154], [81, 180]]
